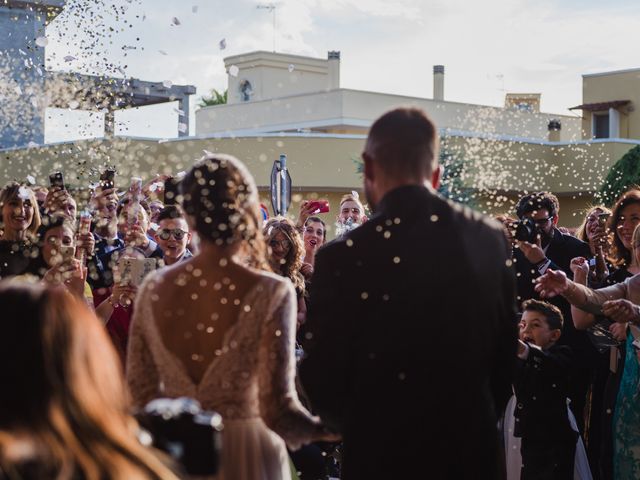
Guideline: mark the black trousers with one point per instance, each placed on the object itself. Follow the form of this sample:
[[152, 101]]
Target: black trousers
[[549, 459]]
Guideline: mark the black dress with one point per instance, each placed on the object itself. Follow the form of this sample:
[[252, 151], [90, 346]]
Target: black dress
[[17, 258]]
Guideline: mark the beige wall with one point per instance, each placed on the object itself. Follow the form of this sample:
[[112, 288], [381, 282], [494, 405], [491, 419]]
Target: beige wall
[[362, 108], [276, 75], [606, 87], [324, 166]]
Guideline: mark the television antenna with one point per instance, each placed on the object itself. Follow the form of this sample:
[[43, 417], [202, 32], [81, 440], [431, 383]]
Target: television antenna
[[270, 7]]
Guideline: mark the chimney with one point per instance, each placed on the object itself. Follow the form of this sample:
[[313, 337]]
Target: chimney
[[333, 82], [438, 82], [554, 126]]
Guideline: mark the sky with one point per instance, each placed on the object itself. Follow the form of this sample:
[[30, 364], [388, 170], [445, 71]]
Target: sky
[[488, 48]]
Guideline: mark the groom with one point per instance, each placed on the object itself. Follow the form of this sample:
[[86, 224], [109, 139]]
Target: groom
[[411, 322]]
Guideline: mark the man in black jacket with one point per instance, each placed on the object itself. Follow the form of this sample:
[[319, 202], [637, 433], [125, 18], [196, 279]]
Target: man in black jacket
[[554, 249], [411, 322]]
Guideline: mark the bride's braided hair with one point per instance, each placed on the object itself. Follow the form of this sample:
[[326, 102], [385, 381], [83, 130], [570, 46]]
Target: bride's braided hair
[[221, 196]]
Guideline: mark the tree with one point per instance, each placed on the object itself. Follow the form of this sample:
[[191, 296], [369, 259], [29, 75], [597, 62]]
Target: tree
[[216, 98], [624, 174], [452, 185]]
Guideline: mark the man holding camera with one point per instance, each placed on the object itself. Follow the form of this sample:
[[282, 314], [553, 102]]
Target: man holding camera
[[540, 246]]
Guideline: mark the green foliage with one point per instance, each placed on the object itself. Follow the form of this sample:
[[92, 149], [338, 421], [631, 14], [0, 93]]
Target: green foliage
[[624, 174], [216, 98], [452, 185]]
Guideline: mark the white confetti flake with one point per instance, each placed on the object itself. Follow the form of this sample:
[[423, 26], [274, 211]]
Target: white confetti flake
[[291, 68], [42, 41], [24, 193], [69, 58], [182, 127], [31, 179], [32, 145], [234, 70], [18, 90], [194, 9], [162, 52], [175, 21], [222, 44], [167, 84], [73, 104]]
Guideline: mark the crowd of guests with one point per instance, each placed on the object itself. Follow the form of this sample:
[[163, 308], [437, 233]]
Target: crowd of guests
[[76, 268], [69, 293]]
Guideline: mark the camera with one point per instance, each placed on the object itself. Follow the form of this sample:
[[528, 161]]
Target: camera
[[190, 435], [524, 230]]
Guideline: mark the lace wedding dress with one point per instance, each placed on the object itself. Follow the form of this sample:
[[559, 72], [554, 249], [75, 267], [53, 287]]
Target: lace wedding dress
[[250, 383]]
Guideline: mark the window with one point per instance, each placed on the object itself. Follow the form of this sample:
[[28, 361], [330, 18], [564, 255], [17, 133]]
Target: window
[[600, 125]]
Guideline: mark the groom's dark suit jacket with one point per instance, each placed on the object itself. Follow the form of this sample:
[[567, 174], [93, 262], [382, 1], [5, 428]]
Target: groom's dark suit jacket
[[412, 340]]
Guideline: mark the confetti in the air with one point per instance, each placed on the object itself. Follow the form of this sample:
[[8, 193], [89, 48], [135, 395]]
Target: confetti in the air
[[222, 44], [291, 68], [175, 21], [194, 9], [167, 84], [234, 70], [42, 41]]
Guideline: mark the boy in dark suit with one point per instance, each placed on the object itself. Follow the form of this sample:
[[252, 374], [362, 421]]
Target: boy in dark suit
[[541, 388]]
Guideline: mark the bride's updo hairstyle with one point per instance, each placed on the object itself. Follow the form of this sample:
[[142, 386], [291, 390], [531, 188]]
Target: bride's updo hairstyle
[[221, 197]]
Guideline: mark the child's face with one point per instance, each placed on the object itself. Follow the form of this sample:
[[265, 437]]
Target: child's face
[[535, 329]]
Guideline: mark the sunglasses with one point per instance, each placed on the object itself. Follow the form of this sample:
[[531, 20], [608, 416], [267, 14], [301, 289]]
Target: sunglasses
[[284, 244], [165, 234]]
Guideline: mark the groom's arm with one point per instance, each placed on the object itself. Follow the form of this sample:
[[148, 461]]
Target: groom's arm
[[325, 372]]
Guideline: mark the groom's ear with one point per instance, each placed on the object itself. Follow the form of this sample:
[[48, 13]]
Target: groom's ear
[[368, 166], [436, 176]]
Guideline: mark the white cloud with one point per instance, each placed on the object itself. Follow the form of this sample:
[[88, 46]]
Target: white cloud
[[488, 47]]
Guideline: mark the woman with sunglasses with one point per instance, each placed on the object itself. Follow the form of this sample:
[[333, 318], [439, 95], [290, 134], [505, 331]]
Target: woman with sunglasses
[[172, 235]]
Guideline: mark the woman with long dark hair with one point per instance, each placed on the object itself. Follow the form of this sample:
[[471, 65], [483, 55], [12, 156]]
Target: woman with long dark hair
[[63, 408]]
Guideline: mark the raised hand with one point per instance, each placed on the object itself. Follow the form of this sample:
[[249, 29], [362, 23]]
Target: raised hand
[[552, 283], [621, 311], [579, 265], [306, 211], [619, 331], [532, 251]]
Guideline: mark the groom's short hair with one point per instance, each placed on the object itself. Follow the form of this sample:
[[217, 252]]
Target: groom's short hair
[[404, 143]]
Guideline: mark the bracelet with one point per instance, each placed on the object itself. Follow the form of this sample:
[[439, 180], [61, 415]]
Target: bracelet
[[110, 300]]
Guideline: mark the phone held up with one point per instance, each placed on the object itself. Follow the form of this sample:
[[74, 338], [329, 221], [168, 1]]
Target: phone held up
[[319, 206], [107, 179], [56, 180]]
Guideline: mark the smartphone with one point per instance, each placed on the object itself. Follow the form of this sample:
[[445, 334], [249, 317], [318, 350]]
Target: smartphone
[[319, 206], [602, 219], [132, 271], [107, 179], [56, 180], [67, 252]]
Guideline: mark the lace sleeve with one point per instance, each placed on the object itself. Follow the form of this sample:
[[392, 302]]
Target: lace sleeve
[[591, 300], [141, 372], [279, 405]]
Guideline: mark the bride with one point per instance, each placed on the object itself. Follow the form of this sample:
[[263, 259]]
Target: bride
[[216, 330]]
